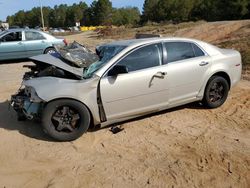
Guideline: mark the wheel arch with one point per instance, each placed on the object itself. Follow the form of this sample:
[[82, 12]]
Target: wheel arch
[[49, 47], [92, 120], [221, 73], [224, 75]]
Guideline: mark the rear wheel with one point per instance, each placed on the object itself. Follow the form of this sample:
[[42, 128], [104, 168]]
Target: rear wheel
[[65, 120], [216, 92], [50, 50]]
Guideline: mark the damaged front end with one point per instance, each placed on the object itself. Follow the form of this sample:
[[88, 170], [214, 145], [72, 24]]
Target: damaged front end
[[27, 104], [68, 62]]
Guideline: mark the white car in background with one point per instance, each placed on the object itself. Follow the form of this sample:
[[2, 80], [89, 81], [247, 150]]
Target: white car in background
[[131, 79]]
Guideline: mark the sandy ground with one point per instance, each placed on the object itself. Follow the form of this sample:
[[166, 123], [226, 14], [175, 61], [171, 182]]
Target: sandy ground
[[184, 147]]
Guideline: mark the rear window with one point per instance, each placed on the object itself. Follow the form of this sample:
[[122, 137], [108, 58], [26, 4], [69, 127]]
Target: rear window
[[31, 35], [177, 51], [198, 52]]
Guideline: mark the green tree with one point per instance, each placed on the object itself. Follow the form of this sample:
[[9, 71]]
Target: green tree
[[175, 10], [75, 13], [102, 12], [231, 9], [88, 17], [10, 19], [215, 10], [247, 16], [149, 10], [126, 16], [164, 10], [33, 18], [19, 18]]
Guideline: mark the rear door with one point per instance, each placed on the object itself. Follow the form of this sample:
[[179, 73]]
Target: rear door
[[12, 46], [35, 43], [187, 66], [143, 89]]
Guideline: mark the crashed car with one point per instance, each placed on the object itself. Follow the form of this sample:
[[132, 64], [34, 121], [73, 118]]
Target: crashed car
[[131, 78]]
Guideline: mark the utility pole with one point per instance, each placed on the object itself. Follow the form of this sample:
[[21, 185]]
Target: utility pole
[[41, 7]]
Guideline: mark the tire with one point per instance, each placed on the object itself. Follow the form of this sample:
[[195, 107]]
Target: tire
[[65, 120], [49, 50], [216, 92]]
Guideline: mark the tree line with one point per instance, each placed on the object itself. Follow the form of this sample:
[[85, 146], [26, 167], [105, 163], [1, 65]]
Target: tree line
[[192, 10], [101, 12]]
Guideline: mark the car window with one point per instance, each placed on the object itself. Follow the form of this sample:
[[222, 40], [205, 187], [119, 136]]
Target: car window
[[142, 58], [177, 51], [197, 51], [13, 36], [105, 54], [31, 35]]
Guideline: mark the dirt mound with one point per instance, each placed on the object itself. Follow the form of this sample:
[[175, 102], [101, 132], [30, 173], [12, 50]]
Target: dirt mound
[[212, 31]]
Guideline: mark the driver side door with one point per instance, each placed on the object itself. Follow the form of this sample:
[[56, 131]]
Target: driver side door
[[143, 89]]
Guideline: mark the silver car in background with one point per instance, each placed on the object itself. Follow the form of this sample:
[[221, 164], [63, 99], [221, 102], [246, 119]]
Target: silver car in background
[[24, 43], [131, 79]]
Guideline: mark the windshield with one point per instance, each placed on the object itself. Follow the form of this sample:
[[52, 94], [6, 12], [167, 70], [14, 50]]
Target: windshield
[[105, 53]]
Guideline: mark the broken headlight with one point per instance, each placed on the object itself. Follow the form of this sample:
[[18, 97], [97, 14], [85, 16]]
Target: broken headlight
[[31, 93]]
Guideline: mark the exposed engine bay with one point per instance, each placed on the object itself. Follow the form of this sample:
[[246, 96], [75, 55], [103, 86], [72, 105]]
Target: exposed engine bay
[[68, 62], [77, 54]]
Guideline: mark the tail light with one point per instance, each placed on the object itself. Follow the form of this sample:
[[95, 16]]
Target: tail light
[[65, 42]]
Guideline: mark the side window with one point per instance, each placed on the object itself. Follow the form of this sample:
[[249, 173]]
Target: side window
[[142, 58], [177, 51], [198, 52], [12, 37], [31, 35]]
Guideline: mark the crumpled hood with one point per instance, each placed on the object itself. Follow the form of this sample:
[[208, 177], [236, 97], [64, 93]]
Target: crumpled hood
[[51, 60]]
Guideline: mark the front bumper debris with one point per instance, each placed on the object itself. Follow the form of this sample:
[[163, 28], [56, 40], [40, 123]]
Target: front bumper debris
[[25, 108]]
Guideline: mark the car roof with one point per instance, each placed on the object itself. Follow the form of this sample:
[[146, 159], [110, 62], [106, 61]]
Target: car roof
[[137, 42], [209, 49], [22, 29]]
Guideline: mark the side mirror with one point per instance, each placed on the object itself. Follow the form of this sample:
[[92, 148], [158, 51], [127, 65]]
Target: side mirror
[[118, 69]]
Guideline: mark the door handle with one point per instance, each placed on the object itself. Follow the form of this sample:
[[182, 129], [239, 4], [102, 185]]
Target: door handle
[[204, 63], [19, 43], [160, 75]]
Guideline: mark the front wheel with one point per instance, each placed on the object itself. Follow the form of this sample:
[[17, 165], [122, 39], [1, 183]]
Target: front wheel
[[216, 92], [65, 120]]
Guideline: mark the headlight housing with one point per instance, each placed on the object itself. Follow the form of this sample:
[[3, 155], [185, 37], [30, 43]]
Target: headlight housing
[[31, 93]]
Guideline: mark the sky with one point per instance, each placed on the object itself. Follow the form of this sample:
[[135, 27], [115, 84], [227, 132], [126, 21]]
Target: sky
[[9, 7]]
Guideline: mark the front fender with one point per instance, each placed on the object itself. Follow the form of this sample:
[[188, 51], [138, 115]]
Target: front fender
[[51, 88]]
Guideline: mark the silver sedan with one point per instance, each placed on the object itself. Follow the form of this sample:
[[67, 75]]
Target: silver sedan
[[131, 79]]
